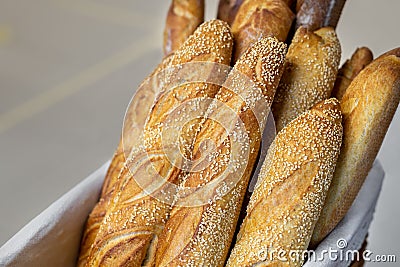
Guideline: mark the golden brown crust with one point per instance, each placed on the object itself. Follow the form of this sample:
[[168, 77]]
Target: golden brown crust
[[260, 18], [310, 71], [200, 235], [183, 17], [368, 108], [315, 14], [227, 10], [291, 188], [350, 69], [135, 119], [97, 214], [134, 219]]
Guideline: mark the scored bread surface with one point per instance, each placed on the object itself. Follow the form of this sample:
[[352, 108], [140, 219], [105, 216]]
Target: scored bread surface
[[200, 235], [314, 14], [183, 17], [134, 219], [310, 71], [291, 189], [134, 120], [368, 105], [260, 18]]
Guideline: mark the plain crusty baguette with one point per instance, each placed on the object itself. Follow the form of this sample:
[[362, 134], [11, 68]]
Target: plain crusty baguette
[[183, 17], [368, 106], [130, 229], [310, 71], [134, 120], [315, 14], [260, 18], [227, 10], [291, 189], [350, 69], [201, 234]]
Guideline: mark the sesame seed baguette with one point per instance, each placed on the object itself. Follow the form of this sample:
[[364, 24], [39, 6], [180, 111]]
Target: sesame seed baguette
[[315, 14], [368, 105], [291, 189], [310, 72], [183, 17], [350, 69], [227, 10], [191, 15], [260, 18], [135, 120], [202, 223], [134, 218]]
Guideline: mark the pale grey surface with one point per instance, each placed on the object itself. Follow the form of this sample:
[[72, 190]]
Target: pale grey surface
[[68, 69]]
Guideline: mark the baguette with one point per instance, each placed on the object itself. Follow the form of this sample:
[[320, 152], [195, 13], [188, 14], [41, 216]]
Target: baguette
[[227, 10], [368, 107], [350, 69], [315, 14], [202, 223], [260, 18], [310, 71], [291, 189], [135, 120], [175, 35], [129, 231], [183, 17]]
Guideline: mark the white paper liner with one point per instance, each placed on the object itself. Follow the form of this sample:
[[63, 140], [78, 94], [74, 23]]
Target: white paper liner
[[53, 237]]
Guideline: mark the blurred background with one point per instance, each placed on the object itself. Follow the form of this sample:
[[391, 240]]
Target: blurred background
[[69, 68]]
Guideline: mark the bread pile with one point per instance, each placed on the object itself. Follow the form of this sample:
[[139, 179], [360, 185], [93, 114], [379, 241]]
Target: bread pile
[[160, 209]]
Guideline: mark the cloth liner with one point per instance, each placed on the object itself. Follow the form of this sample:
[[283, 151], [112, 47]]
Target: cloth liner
[[53, 237], [350, 233]]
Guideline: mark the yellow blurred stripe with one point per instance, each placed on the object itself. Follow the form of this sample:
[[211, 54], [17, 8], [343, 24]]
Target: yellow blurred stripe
[[109, 13], [83, 79], [5, 34]]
